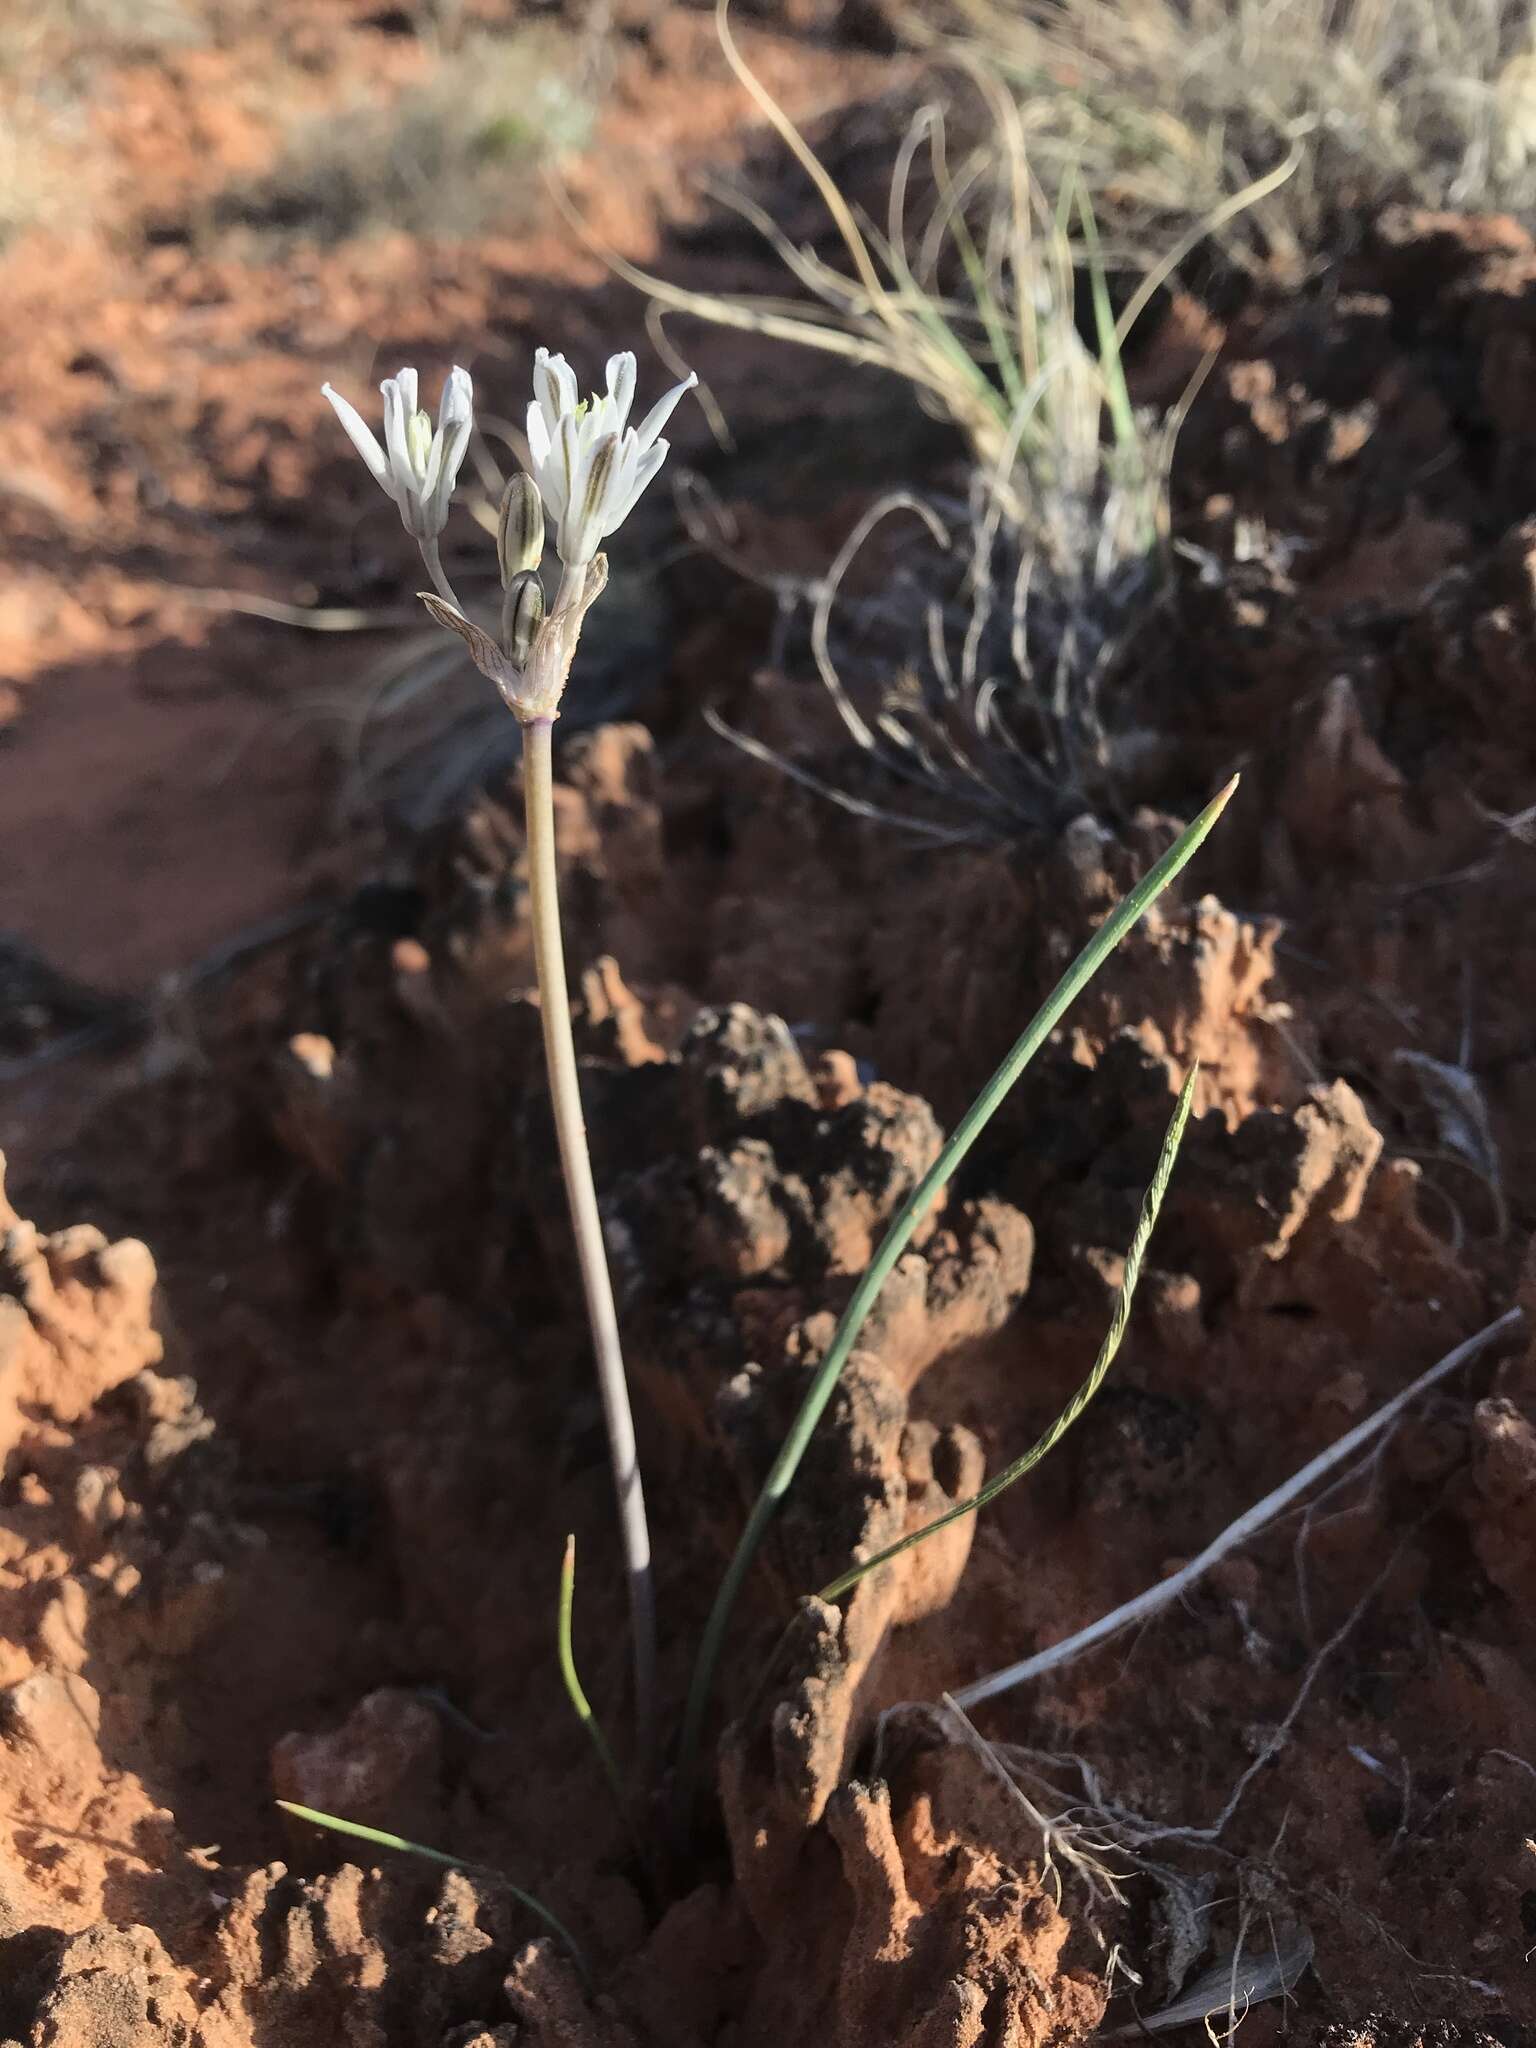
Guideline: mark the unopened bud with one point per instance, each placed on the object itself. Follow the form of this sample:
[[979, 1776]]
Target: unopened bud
[[520, 528], [418, 443], [522, 614]]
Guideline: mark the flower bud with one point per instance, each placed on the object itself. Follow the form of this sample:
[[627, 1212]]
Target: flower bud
[[522, 614], [418, 442], [520, 528]]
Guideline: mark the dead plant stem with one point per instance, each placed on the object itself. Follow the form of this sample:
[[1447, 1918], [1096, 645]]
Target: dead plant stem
[[1247, 1525]]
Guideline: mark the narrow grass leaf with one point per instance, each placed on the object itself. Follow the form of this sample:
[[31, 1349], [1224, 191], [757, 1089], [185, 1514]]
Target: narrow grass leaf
[[580, 1704], [1111, 368], [1145, 1225], [1125, 915], [381, 1839]]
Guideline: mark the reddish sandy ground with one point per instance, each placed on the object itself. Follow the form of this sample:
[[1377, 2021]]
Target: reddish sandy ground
[[285, 1493]]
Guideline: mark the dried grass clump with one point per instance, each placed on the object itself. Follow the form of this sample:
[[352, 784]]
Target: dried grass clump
[[1163, 106], [52, 55], [36, 185], [97, 31], [987, 669], [447, 157]]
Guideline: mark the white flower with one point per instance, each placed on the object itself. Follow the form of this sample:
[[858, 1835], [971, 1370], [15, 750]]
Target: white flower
[[589, 463], [416, 467]]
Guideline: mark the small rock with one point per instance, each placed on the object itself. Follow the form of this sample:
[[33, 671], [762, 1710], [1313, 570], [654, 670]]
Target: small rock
[[57, 1715], [380, 1767], [116, 1987]]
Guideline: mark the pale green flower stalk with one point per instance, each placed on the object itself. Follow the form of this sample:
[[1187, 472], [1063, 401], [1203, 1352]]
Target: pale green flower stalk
[[589, 469]]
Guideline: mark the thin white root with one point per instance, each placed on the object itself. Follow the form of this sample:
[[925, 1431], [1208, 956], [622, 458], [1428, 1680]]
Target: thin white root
[[1063, 1839], [1247, 1526]]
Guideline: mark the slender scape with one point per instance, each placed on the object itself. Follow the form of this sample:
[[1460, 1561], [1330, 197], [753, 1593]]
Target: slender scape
[[586, 1222], [589, 468]]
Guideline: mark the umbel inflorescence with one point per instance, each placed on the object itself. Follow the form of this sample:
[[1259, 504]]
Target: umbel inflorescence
[[589, 468]]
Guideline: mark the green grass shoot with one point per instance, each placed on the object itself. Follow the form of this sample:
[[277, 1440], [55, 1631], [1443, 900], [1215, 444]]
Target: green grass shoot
[[581, 1705], [382, 1839], [1145, 1225], [1126, 914]]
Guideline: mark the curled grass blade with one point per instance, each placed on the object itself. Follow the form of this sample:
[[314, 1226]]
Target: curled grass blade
[[970, 1127], [1152, 1203], [381, 1839]]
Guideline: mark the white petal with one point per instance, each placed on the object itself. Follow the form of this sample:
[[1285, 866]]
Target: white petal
[[621, 389], [406, 379], [455, 446], [649, 462], [546, 475], [396, 413], [663, 410], [570, 454], [554, 385], [599, 417], [449, 445], [565, 378], [623, 483], [458, 400], [573, 457], [455, 420], [538, 437], [549, 491], [588, 512], [361, 435]]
